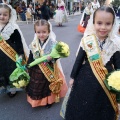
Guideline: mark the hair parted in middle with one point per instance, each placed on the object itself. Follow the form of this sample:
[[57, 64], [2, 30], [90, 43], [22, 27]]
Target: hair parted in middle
[[106, 9], [42, 22]]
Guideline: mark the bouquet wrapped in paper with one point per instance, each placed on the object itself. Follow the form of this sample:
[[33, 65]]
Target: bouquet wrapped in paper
[[19, 77], [60, 50], [112, 82]]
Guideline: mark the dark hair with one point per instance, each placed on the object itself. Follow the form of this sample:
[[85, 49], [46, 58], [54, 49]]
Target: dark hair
[[6, 7], [42, 22], [106, 9]]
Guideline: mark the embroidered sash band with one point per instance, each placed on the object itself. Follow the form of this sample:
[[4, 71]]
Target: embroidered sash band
[[96, 63], [53, 77], [7, 49]]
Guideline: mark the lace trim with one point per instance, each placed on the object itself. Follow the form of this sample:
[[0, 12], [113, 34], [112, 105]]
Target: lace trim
[[8, 30], [109, 48]]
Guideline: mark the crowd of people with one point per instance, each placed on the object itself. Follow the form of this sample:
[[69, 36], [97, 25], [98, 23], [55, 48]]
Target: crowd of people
[[97, 56]]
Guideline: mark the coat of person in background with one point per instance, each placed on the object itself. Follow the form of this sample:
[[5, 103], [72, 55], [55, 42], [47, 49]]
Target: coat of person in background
[[38, 11], [45, 11], [95, 4]]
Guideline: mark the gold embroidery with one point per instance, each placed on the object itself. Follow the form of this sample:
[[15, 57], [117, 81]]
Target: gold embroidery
[[99, 70]]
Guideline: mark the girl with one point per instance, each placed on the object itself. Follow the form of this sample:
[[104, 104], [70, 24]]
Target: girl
[[12, 43], [39, 90], [61, 14], [85, 17], [99, 50]]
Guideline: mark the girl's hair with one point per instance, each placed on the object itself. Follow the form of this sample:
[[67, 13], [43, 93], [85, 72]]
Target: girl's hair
[[6, 7], [106, 9], [42, 22]]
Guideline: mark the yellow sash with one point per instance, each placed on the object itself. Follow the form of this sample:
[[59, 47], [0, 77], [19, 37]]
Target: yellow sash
[[96, 63], [54, 78], [8, 50]]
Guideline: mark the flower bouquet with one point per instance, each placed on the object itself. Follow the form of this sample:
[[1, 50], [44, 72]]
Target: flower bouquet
[[112, 82], [60, 50], [19, 77]]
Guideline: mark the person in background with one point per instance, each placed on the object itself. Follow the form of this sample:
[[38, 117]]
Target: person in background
[[95, 4], [38, 12], [85, 17], [61, 14], [45, 11]]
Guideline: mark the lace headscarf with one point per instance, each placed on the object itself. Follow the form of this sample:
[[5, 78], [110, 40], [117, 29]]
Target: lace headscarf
[[112, 43], [51, 34], [11, 26]]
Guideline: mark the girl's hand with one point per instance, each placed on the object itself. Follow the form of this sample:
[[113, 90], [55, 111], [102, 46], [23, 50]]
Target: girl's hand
[[71, 82], [49, 58]]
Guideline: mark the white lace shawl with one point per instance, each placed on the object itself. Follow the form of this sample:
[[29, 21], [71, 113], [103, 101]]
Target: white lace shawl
[[112, 43], [9, 29]]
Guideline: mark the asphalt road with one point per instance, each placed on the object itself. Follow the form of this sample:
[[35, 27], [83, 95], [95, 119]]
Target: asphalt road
[[18, 108]]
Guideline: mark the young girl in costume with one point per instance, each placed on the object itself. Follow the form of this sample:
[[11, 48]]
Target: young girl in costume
[[39, 91], [85, 17], [12, 42], [61, 14], [99, 54]]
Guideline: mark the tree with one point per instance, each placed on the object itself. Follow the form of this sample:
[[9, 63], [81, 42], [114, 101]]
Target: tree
[[116, 3]]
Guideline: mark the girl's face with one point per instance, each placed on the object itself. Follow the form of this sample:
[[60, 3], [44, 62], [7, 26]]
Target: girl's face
[[42, 32], [103, 24], [4, 15]]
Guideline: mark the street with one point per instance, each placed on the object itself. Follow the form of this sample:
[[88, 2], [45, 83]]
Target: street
[[18, 108]]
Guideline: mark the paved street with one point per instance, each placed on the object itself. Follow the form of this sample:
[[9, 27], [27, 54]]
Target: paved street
[[17, 108]]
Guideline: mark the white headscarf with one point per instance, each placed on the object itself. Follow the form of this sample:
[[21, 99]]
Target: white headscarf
[[51, 34], [11, 26], [112, 43]]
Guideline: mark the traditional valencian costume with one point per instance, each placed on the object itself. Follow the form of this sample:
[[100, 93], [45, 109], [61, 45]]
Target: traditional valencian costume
[[84, 19], [47, 83], [89, 98], [95, 5], [12, 42], [60, 14]]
